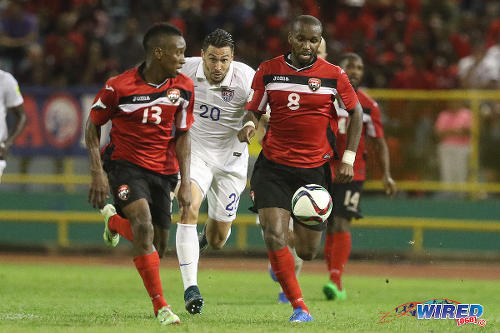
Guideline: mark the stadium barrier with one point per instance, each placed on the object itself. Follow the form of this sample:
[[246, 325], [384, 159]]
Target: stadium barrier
[[244, 221], [36, 142]]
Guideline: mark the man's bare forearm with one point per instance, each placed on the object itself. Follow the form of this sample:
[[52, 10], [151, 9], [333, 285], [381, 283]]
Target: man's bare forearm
[[20, 123], [252, 116], [183, 151], [355, 128], [382, 153], [92, 141]]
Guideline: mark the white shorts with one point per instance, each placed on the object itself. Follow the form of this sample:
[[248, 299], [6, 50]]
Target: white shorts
[[3, 164], [221, 188]]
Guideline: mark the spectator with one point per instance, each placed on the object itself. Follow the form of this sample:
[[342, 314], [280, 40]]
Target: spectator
[[129, 49], [478, 71], [18, 29], [453, 127]]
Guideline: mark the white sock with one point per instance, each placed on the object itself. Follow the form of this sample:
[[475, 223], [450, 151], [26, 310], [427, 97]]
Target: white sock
[[188, 253]]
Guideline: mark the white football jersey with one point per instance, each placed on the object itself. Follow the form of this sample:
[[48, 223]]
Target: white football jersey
[[10, 97], [218, 111]]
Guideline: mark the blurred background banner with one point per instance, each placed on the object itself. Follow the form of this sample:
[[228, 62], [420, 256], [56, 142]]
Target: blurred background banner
[[55, 121]]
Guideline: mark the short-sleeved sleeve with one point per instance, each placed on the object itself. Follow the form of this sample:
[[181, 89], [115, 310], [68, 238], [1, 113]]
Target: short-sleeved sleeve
[[346, 92], [13, 95], [184, 117], [378, 130], [257, 99], [105, 103]]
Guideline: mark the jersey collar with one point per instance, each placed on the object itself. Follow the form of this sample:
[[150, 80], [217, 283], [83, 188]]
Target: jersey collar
[[289, 62], [139, 71], [200, 74]]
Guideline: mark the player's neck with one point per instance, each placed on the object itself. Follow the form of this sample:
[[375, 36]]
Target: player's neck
[[153, 75], [297, 64]]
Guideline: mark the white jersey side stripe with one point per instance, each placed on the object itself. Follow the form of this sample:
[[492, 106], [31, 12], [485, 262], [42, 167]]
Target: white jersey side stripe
[[181, 121], [295, 87], [137, 106], [263, 102]]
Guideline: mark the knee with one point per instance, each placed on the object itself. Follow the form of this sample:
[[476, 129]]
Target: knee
[[274, 240], [216, 245], [341, 224], [143, 229], [307, 253], [193, 213]]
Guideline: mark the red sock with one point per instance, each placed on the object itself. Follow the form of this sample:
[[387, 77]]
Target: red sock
[[339, 247], [284, 268], [148, 266], [121, 226]]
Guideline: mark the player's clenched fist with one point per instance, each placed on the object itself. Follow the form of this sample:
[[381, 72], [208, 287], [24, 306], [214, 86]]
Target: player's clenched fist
[[247, 133]]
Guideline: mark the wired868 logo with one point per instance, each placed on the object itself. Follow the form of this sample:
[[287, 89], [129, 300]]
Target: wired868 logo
[[438, 309]]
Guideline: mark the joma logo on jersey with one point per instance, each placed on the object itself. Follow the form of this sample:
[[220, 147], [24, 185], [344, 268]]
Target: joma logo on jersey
[[140, 98], [314, 83], [281, 78], [173, 94]]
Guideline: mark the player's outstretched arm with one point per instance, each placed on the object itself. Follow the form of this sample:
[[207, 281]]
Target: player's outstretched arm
[[345, 171], [250, 123], [382, 153], [18, 128], [183, 151], [99, 187]]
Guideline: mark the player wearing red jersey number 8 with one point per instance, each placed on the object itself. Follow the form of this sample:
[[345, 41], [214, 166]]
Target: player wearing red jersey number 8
[[299, 89]]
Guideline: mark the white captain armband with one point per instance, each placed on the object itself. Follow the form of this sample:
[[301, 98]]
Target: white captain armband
[[349, 157], [249, 123]]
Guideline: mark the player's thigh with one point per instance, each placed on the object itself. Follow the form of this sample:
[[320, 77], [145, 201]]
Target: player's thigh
[[347, 198], [201, 174], [223, 197], [128, 183], [274, 222], [161, 200], [272, 185]]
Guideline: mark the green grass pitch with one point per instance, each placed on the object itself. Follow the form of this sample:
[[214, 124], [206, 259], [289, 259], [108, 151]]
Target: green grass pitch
[[74, 298]]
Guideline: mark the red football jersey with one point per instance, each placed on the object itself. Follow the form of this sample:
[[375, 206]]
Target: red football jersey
[[372, 126], [145, 117], [301, 103]]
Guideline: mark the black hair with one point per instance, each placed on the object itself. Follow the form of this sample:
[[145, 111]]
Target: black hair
[[157, 30], [218, 38], [348, 56], [306, 19]]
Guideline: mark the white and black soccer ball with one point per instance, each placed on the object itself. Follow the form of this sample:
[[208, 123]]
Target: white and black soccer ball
[[311, 204]]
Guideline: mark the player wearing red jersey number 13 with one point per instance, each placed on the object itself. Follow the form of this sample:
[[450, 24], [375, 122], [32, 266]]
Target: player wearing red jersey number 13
[[300, 90], [148, 107]]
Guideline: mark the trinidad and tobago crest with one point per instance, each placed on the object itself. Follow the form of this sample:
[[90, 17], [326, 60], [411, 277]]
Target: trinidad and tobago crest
[[227, 94], [173, 94], [123, 192], [314, 83]]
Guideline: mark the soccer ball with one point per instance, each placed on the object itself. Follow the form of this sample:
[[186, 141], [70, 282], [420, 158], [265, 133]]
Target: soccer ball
[[311, 204]]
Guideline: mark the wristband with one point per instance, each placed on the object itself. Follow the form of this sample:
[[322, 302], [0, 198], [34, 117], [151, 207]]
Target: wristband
[[249, 123], [349, 157]]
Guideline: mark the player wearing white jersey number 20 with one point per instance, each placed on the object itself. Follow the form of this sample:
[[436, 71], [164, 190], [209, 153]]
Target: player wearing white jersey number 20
[[10, 100], [219, 159]]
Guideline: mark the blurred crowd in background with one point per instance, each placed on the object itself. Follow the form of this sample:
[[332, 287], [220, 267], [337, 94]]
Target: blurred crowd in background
[[412, 44], [406, 44]]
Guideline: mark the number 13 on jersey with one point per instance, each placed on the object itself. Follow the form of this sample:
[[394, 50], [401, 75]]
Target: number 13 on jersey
[[154, 112]]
